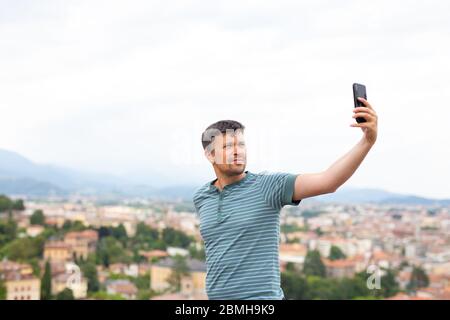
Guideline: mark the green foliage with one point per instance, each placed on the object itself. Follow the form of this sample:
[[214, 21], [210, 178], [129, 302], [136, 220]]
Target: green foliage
[[8, 231], [2, 290], [18, 205], [146, 238], [89, 270], [6, 204], [66, 294], [294, 286], [179, 270], [144, 295], [288, 228], [102, 295], [389, 286], [23, 249], [37, 217], [46, 283], [110, 250], [318, 231], [313, 265], [142, 282], [76, 225], [336, 253], [419, 279], [176, 238], [120, 233], [297, 286], [198, 254]]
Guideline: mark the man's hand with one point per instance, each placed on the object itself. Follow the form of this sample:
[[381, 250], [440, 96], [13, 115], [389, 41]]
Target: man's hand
[[370, 127], [328, 181]]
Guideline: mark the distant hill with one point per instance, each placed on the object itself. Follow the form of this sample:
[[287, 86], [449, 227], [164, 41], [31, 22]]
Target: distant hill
[[20, 176], [372, 195]]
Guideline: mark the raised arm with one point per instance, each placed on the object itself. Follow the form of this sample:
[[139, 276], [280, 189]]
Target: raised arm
[[313, 184]]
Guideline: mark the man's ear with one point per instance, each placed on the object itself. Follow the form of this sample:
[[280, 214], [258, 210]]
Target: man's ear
[[210, 155]]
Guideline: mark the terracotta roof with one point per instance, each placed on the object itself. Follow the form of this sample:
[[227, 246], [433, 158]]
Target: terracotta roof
[[341, 263], [86, 234], [153, 253], [56, 245], [123, 286]]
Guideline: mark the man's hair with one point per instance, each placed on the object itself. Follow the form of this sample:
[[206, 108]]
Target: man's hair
[[222, 126]]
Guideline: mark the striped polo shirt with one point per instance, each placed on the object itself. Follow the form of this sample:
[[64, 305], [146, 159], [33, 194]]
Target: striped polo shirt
[[240, 227]]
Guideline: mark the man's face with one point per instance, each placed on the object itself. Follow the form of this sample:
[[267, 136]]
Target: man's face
[[229, 154]]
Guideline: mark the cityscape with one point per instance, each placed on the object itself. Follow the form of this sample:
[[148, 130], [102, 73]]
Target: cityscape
[[152, 249]]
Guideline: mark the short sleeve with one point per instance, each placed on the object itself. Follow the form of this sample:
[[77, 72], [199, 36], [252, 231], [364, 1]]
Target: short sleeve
[[278, 189], [198, 197]]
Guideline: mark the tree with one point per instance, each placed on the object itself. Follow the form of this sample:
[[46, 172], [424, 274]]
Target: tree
[[23, 249], [37, 217], [8, 231], [66, 294], [90, 272], [389, 286], [336, 253], [110, 250], [322, 288], [2, 290], [313, 265], [318, 231], [195, 253], [290, 266], [179, 270], [6, 204], [46, 283], [419, 279], [18, 205], [176, 238], [120, 233], [294, 286]]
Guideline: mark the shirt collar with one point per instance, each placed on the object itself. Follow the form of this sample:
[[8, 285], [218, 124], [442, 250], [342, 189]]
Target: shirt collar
[[212, 187]]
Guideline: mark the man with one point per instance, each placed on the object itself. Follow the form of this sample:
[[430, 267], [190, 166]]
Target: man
[[239, 210]]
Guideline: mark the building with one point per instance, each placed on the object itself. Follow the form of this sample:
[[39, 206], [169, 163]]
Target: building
[[342, 268], [153, 255], [57, 251], [131, 270], [125, 288], [292, 253], [82, 243], [78, 286], [67, 275], [161, 271], [187, 292], [35, 230], [19, 281]]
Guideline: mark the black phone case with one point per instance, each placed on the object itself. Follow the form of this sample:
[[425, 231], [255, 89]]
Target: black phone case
[[359, 91]]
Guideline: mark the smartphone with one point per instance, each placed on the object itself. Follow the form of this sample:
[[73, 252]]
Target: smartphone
[[359, 91]]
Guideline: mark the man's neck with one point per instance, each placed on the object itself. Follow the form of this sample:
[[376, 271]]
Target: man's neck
[[223, 180]]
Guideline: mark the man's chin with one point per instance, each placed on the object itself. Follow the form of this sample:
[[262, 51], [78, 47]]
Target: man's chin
[[236, 168]]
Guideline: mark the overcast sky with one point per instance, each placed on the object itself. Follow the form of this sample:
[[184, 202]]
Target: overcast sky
[[126, 87]]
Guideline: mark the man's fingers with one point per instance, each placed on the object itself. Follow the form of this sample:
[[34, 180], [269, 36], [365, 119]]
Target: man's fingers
[[365, 109], [365, 115], [362, 125], [365, 102]]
